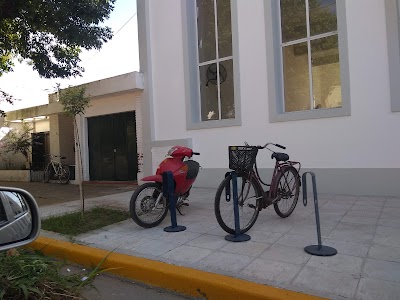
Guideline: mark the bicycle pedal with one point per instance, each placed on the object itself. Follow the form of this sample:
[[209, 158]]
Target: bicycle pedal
[[185, 204]]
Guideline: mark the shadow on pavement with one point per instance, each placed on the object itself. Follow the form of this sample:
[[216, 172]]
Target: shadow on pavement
[[54, 193]]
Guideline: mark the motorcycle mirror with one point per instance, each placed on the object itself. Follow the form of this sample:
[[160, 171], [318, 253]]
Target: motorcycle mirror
[[19, 218]]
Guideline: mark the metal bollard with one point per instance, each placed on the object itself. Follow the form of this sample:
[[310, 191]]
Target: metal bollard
[[169, 193], [237, 237], [319, 249]]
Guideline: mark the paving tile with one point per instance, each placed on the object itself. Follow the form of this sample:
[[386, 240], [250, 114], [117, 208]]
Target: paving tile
[[353, 232], [201, 226], [372, 198], [311, 230], [287, 254], [363, 213], [226, 261], [275, 226], [297, 240], [366, 207], [208, 241], [150, 233], [336, 205], [371, 202], [384, 253], [325, 281], [102, 238], [382, 269], [387, 236], [249, 248], [345, 198], [389, 222], [348, 248], [130, 242], [179, 238], [187, 254], [155, 248], [337, 263], [329, 216], [393, 202], [390, 213], [265, 269], [264, 236], [373, 289], [360, 220], [218, 231]]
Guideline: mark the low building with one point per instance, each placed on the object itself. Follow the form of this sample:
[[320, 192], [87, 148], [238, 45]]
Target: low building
[[109, 131]]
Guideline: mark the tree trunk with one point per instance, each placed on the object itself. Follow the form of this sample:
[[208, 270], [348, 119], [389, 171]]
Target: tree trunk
[[80, 167]]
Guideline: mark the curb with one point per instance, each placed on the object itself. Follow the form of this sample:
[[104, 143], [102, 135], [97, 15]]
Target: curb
[[179, 279]]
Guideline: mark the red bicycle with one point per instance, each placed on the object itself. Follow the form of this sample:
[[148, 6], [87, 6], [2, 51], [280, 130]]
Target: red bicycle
[[283, 191]]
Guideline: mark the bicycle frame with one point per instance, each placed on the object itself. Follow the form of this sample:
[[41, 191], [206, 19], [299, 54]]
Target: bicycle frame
[[57, 169], [270, 197]]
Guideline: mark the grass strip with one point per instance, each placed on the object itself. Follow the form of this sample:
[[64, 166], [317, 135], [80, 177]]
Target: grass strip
[[29, 275], [73, 224]]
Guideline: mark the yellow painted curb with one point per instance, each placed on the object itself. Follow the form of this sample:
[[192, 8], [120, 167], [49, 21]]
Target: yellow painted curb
[[180, 279]]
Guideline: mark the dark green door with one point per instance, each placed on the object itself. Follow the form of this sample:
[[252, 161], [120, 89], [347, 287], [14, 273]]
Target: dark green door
[[112, 147]]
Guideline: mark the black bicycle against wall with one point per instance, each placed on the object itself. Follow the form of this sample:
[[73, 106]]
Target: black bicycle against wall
[[282, 192]]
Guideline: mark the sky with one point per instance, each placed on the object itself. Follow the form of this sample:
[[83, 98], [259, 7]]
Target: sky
[[119, 56]]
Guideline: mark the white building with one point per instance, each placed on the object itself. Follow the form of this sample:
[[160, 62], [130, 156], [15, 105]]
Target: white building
[[321, 77]]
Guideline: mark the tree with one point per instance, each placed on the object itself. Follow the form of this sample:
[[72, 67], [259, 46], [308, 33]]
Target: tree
[[19, 141], [50, 34], [74, 102]]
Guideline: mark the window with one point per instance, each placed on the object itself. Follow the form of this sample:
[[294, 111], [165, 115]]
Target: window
[[215, 60], [308, 71], [393, 34], [212, 99], [17, 203]]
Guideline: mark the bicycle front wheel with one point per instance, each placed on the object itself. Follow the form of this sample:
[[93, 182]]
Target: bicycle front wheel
[[63, 176], [47, 171], [249, 201], [148, 206], [287, 190]]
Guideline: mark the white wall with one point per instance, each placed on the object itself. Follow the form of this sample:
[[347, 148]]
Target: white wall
[[366, 139]]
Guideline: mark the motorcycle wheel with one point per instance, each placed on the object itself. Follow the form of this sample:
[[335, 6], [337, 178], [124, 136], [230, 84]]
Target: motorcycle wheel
[[142, 205]]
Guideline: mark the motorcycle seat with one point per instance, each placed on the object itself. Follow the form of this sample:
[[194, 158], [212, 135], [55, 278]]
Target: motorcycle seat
[[193, 169]]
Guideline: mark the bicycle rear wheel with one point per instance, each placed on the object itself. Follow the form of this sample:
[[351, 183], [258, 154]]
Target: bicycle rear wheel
[[287, 189], [249, 202], [63, 176]]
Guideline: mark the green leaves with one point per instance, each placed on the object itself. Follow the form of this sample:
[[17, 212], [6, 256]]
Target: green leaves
[[51, 33], [74, 100], [19, 141]]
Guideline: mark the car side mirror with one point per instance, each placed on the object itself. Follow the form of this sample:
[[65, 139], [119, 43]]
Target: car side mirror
[[19, 218]]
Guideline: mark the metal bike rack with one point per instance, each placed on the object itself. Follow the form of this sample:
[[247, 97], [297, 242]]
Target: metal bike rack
[[237, 237], [169, 193], [319, 249]]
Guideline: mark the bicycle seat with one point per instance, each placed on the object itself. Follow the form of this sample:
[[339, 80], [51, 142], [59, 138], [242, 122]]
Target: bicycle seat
[[280, 156]]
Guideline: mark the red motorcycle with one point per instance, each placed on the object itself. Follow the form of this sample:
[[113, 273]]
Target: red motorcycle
[[148, 206]]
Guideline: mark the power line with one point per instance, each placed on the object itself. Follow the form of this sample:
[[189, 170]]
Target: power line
[[118, 31]]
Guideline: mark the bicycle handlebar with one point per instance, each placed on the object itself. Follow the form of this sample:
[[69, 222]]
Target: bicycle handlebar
[[195, 153], [267, 144]]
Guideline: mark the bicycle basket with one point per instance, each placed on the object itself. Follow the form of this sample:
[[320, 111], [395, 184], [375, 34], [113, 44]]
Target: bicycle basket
[[242, 158]]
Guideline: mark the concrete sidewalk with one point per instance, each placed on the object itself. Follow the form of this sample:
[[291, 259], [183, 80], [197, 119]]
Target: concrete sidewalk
[[364, 230]]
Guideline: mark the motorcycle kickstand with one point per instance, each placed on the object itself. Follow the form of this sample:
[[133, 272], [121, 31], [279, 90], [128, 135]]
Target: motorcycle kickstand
[[180, 211], [178, 207]]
